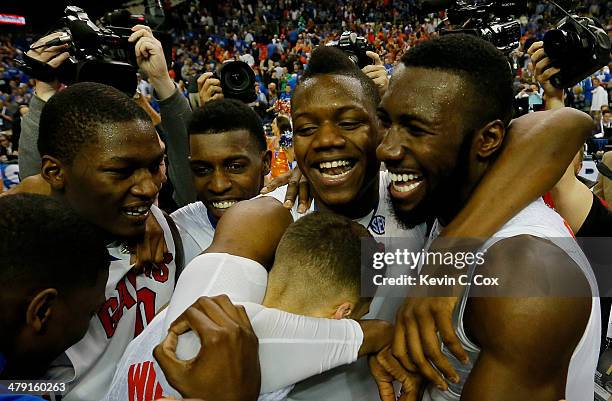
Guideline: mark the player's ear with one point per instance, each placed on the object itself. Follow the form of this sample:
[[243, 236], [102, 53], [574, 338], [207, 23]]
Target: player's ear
[[267, 162], [343, 311], [40, 308], [53, 171], [489, 138]]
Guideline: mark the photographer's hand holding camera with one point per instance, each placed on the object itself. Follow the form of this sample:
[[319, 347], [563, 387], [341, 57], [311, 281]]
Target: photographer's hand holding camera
[[543, 72], [174, 110], [377, 72], [151, 60], [53, 56], [209, 88]]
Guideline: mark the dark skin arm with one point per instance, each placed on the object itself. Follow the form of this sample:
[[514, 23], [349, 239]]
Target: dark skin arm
[[252, 229], [527, 339], [537, 149]]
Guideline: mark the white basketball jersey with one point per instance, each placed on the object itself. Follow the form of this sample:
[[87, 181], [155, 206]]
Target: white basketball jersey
[[537, 220], [132, 301], [351, 383], [196, 229]]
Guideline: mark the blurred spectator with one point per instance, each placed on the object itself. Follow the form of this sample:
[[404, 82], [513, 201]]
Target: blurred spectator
[[6, 118], [7, 152], [600, 98]]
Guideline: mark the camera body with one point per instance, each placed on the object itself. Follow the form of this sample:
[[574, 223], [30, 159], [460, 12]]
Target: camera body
[[579, 46], [237, 81], [98, 53], [491, 21], [355, 47]]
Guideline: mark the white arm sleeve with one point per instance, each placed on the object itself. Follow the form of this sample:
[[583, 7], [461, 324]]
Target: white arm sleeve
[[291, 347], [294, 347]]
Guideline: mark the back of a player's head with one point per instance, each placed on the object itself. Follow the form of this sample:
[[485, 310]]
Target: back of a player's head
[[327, 60], [318, 262], [78, 116], [44, 244], [53, 271], [223, 115], [477, 62]]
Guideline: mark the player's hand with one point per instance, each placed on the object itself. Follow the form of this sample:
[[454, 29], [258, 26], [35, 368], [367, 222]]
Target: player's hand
[[54, 56], [298, 188], [209, 88], [543, 71], [151, 60], [377, 72], [418, 322], [227, 365], [385, 368], [151, 250]]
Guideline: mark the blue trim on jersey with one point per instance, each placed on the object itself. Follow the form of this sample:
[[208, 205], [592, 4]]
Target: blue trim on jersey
[[376, 223]]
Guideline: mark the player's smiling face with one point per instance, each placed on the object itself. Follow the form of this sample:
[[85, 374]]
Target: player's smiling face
[[227, 167], [335, 135], [114, 181], [424, 141]]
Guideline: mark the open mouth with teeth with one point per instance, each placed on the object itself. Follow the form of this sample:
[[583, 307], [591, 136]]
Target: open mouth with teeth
[[222, 205], [335, 169], [405, 183], [138, 211]]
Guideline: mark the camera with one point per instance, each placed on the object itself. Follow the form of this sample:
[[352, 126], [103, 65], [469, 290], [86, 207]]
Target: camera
[[355, 47], [490, 20], [97, 53], [579, 46], [237, 81]]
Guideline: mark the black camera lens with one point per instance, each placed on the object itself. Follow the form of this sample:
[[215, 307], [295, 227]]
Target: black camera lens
[[238, 81]]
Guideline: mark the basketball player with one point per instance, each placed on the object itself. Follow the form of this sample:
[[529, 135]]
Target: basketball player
[[444, 139], [47, 299], [101, 157]]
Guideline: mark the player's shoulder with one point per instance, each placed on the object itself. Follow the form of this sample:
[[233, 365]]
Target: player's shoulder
[[261, 207]]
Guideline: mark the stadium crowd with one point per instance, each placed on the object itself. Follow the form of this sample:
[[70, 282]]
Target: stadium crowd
[[191, 245]]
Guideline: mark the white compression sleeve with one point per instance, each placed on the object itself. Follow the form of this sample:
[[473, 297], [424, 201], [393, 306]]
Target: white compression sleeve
[[294, 347]]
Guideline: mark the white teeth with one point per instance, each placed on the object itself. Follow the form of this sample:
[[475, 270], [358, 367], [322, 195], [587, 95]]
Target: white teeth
[[403, 177], [335, 163], [137, 211], [335, 176], [223, 204], [406, 188]]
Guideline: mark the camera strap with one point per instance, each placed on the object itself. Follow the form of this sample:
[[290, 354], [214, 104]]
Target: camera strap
[[38, 69]]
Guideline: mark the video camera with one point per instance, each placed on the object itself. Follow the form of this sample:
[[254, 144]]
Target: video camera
[[578, 47], [490, 20], [97, 53], [355, 47]]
